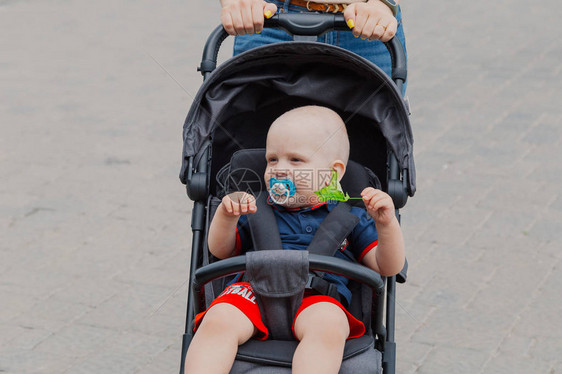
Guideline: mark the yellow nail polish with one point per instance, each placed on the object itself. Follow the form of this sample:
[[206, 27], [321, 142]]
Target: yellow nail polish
[[350, 23], [362, 38], [267, 14]]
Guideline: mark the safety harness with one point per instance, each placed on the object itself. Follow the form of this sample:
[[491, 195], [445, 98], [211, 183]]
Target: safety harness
[[331, 233]]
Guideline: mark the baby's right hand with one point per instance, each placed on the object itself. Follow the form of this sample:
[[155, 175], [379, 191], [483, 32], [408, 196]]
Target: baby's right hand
[[238, 203], [241, 17]]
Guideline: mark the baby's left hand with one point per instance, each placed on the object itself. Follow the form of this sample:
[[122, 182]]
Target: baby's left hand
[[379, 205]]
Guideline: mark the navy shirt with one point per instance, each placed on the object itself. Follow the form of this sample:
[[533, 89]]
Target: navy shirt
[[298, 226]]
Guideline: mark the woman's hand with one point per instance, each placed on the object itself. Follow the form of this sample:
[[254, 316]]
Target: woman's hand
[[372, 20], [241, 17]]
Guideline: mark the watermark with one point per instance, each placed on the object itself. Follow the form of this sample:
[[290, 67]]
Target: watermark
[[247, 180], [251, 184], [243, 180], [304, 179]]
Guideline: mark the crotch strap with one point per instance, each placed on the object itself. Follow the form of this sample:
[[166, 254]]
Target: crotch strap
[[278, 278]]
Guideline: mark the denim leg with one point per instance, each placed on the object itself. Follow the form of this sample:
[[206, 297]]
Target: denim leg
[[374, 51], [243, 43]]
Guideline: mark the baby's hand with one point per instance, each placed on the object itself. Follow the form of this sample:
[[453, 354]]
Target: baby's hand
[[373, 20], [238, 203], [241, 17], [379, 205]]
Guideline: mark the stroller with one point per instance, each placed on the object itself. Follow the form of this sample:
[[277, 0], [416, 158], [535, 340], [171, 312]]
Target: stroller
[[224, 138]]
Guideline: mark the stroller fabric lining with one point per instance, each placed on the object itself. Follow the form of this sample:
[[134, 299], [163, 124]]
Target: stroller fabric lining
[[259, 85]]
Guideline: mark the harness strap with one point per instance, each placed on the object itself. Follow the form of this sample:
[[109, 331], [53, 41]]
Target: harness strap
[[324, 287], [331, 233], [333, 230], [263, 225]]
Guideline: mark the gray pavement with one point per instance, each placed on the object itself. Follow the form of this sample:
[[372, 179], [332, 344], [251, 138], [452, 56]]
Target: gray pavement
[[95, 225]]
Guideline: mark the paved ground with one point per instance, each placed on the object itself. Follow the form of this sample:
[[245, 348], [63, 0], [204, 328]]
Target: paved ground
[[95, 224]]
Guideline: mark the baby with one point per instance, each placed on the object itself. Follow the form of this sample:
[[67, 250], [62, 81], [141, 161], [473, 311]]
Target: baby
[[311, 140]]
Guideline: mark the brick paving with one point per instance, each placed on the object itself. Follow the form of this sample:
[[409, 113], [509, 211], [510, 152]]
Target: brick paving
[[95, 224]]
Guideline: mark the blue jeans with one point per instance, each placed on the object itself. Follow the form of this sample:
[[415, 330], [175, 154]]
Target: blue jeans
[[374, 51]]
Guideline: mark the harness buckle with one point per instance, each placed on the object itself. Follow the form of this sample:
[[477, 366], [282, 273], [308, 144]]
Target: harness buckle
[[309, 282]]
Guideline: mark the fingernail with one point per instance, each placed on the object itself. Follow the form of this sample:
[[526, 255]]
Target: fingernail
[[267, 14], [363, 38], [356, 36], [350, 23]]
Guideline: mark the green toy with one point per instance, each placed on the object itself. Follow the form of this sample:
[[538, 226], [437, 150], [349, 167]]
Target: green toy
[[333, 191]]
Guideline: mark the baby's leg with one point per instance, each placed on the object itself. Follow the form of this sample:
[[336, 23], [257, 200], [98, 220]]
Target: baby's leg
[[322, 329], [216, 341]]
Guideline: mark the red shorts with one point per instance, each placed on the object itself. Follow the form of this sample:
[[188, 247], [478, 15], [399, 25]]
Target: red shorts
[[242, 296]]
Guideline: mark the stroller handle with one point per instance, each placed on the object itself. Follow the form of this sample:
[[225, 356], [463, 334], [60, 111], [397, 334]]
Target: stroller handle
[[306, 24]]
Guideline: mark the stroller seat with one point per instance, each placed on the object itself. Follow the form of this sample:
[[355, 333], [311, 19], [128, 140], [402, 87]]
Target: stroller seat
[[276, 355], [279, 277]]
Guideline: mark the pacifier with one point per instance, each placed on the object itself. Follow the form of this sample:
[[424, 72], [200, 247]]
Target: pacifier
[[281, 190]]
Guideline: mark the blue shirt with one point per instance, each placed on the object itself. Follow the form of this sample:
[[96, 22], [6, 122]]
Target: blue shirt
[[298, 226]]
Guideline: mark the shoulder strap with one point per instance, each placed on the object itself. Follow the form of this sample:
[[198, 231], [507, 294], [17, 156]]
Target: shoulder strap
[[333, 230], [263, 225]]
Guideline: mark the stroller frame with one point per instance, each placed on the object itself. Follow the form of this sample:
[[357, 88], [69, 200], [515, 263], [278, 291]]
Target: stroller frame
[[196, 177]]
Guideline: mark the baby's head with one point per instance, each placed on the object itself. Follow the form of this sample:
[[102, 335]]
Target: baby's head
[[303, 147]]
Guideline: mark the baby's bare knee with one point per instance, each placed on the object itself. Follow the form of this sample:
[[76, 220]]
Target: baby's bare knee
[[227, 321], [324, 321], [336, 330]]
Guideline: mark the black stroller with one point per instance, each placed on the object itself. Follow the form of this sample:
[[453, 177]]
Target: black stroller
[[224, 136]]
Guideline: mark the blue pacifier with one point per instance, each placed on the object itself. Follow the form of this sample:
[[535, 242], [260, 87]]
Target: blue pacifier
[[281, 190]]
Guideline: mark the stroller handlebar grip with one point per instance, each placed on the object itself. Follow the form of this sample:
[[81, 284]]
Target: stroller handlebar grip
[[307, 24]]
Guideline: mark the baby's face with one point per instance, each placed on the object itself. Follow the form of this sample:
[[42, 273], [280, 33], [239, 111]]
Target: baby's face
[[297, 155]]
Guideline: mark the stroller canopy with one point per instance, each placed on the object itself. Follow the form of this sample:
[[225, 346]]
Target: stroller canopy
[[242, 97]]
